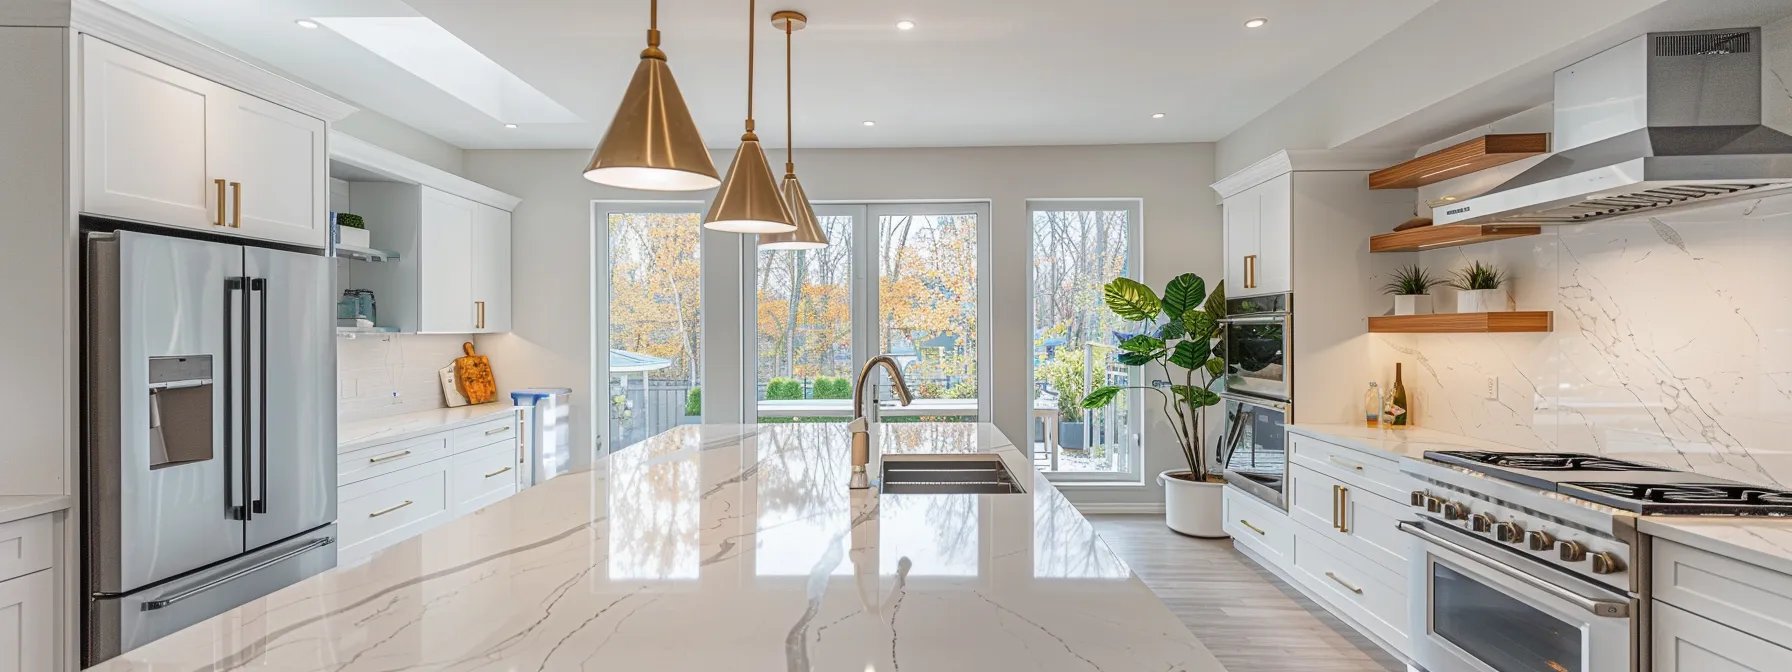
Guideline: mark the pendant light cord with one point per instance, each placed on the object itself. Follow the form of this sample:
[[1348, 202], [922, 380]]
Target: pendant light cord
[[752, 12], [789, 134]]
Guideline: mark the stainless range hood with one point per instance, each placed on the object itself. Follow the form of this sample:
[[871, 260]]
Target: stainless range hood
[[1663, 120]]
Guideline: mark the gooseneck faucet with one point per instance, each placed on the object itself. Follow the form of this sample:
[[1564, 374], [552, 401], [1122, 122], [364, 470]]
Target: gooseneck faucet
[[861, 430]]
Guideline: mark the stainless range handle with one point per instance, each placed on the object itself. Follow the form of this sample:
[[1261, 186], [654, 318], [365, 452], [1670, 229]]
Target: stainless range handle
[[1598, 607], [165, 602], [1268, 318]]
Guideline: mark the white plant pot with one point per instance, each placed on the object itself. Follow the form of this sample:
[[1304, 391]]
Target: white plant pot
[[1412, 304], [355, 237], [1193, 508], [1483, 301]]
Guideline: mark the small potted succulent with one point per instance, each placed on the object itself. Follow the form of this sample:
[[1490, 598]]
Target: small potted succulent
[[1411, 289], [1481, 288]]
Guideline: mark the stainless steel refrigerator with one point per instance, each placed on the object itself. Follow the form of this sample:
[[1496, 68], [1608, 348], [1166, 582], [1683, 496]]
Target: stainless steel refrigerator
[[209, 449]]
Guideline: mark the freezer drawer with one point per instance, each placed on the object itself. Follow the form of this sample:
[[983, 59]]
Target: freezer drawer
[[118, 624]]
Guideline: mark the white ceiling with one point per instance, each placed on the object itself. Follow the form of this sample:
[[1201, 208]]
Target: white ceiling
[[974, 72]]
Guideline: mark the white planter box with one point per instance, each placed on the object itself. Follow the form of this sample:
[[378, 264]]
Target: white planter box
[[1412, 304], [1483, 301], [355, 237]]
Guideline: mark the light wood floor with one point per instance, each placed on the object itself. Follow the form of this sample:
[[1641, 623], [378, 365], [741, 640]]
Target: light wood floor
[[1250, 619]]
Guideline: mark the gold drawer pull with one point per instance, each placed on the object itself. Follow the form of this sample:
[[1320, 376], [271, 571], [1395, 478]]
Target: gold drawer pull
[[407, 502], [1336, 505], [220, 221], [1248, 524], [497, 430], [1344, 509], [1344, 583], [388, 457], [1343, 463], [236, 205], [495, 473]]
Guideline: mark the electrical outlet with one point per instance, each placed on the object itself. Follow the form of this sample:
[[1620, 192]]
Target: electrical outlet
[[1493, 388]]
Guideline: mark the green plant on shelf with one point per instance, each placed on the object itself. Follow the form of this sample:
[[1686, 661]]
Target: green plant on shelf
[[1479, 276], [1413, 280], [350, 221]]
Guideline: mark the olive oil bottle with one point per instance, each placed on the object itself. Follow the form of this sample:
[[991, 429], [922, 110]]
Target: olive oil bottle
[[1399, 411]]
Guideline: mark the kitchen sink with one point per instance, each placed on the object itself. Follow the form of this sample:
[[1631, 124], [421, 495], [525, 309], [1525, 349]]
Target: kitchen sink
[[947, 475]]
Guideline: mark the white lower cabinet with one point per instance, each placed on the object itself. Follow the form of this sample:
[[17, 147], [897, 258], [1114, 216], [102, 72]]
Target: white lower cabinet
[[392, 492], [1687, 642], [1258, 526], [28, 622], [1371, 595]]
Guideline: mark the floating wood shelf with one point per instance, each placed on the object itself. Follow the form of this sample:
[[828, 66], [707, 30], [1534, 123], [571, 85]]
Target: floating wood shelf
[[1464, 323], [1478, 154], [1436, 237]]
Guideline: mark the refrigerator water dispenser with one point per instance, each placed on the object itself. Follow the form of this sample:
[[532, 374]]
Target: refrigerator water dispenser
[[180, 410]]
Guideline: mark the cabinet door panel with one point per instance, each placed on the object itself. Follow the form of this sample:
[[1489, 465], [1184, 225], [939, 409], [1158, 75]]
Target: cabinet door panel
[[1275, 235], [277, 155], [1687, 642], [27, 623], [445, 280], [491, 268], [147, 155], [1241, 240]]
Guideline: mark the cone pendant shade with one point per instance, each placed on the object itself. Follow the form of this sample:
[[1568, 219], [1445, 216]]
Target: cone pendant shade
[[748, 201], [808, 234], [653, 143]]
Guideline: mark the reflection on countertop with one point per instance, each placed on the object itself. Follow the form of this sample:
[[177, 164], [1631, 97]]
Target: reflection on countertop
[[1404, 442], [351, 436], [723, 547]]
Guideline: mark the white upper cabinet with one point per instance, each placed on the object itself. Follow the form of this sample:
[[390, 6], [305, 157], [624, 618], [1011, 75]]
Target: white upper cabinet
[[491, 269], [452, 275], [167, 147], [445, 278], [1259, 232]]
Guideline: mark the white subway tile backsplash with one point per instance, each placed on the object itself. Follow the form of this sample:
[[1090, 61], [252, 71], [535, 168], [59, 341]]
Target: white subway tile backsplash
[[392, 374]]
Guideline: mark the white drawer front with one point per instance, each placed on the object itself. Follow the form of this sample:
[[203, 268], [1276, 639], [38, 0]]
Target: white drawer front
[[387, 458], [1346, 514], [1743, 596], [1364, 590], [1368, 471], [502, 428], [484, 476], [28, 622], [1259, 526], [1687, 642], [385, 510], [25, 546]]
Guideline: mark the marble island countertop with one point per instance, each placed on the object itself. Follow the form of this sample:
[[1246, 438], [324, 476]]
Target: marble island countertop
[[352, 436], [1406, 442], [723, 548]]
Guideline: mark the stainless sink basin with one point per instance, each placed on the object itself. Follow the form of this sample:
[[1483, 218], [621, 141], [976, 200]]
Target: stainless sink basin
[[947, 475]]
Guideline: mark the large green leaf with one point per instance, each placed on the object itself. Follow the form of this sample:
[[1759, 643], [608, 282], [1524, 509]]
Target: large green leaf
[[1183, 294], [1143, 344], [1171, 330], [1102, 396], [1132, 300], [1216, 302], [1134, 359], [1215, 367], [1198, 396], [1199, 325], [1191, 354]]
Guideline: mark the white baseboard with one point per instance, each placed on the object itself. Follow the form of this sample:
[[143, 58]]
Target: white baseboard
[[1092, 509]]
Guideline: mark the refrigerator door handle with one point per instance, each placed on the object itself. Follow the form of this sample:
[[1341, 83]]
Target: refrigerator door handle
[[166, 602], [233, 297], [260, 385]]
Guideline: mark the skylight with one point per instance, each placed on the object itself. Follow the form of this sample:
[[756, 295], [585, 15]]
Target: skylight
[[435, 55]]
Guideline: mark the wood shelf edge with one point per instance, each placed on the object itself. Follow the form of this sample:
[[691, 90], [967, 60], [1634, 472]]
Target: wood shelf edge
[[1513, 322], [1472, 156], [1448, 235]]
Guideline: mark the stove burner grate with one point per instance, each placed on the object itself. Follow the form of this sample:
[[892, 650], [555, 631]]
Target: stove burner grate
[[1542, 461], [1708, 494]]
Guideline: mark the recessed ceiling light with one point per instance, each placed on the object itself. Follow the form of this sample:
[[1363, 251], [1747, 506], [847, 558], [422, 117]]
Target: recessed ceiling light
[[1256, 23], [510, 125], [905, 25], [870, 123], [304, 23], [1159, 115]]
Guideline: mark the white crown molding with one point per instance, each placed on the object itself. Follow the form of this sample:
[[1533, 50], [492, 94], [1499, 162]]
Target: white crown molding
[[1305, 160], [140, 35], [368, 156]]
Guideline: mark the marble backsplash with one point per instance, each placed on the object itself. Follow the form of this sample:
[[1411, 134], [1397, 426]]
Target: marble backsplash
[[387, 375], [1672, 343]]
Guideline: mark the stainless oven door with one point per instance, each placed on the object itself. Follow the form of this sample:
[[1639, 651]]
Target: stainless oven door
[[1255, 342], [1482, 608], [1255, 448]]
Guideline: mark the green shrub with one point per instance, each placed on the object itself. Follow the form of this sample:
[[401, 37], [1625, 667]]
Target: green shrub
[[829, 387], [693, 402], [1064, 374], [784, 388], [964, 390]]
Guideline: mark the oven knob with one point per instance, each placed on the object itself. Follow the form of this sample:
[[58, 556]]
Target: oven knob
[[1606, 563], [1541, 541], [1434, 504], [1481, 522], [1509, 532], [1572, 551], [1455, 511]]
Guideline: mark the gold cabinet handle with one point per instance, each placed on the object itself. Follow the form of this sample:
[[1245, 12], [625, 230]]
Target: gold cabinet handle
[[221, 205], [1335, 523], [236, 205], [406, 503], [495, 473], [1254, 528], [1345, 584], [1344, 509], [496, 430], [388, 456], [1250, 271], [481, 306]]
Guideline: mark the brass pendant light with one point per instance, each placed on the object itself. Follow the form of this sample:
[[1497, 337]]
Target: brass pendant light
[[653, 143], [748, 201], [808, 234]]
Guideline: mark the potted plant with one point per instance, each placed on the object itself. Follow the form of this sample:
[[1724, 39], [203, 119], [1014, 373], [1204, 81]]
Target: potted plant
[[1412, 290], [1192, 496], [1064, 373], [1481, 289]]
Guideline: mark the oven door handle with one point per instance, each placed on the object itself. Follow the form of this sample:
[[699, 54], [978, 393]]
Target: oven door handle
[[1261, 318], [1596, 606]]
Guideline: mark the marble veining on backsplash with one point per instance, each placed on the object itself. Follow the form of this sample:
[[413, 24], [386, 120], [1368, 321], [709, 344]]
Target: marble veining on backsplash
[[1672, 343]]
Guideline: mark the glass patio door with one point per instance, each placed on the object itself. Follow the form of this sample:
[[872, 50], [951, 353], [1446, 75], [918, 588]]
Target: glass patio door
[[647, 366]]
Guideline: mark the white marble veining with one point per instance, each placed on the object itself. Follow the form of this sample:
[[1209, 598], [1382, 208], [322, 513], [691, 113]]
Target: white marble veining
[[20, 507], [351, 436], [1410, 442], [1764, 542], [722, 548], [1672, 343]]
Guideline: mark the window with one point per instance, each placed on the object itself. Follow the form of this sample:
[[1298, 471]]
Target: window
[[897, 279], [1077, 248], [647, 365]]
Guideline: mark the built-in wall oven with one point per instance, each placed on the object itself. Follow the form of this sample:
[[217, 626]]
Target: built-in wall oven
[[1255, 447], [1255, 338]]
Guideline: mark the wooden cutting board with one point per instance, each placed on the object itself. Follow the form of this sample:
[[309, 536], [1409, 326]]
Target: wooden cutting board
[[473, 375]]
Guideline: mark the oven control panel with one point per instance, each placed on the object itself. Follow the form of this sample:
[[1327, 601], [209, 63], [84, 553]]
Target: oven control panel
[[1578, 550]]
